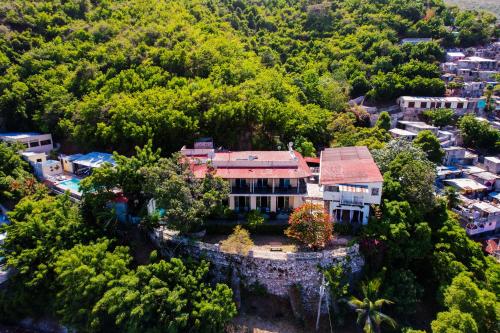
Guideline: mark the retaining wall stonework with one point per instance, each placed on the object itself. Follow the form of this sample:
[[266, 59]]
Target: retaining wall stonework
[[276, 271]]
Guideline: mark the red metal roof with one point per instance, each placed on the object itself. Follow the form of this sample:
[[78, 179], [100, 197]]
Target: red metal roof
[[264, 164], [491, 246], [312, 160], [348, 165]]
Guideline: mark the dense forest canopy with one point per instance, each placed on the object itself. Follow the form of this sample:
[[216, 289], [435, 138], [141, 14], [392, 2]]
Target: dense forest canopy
[[110, 75]]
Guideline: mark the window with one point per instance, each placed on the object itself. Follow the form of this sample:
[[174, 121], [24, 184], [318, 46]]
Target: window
[[283, 203], [423, 105], [241, 203], [411, 104], [241, 182], [45, 142], [263, 203], [460, 105], [332, 188], [25, 145], [447, 105], [34, 144], [375, 191], [262, 182], [284, 182], [433, 105], [39, 160]]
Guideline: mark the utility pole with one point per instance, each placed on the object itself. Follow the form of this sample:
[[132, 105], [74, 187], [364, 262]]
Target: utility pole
[[321, 294]]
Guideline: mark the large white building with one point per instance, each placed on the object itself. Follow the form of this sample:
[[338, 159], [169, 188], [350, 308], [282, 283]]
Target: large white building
[[351, 182], [33, 142], [269, 181], [417, 104], [478, 63]]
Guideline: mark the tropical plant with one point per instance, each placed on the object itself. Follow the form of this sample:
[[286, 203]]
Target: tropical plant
[[452, 197], [369, 309], [311, 225], [254, 218]]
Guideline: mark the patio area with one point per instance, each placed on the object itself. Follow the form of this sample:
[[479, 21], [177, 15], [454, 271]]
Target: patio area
[[277, 243]]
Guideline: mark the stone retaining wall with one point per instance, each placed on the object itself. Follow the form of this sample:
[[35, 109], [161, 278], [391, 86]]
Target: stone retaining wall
[[275, 271]]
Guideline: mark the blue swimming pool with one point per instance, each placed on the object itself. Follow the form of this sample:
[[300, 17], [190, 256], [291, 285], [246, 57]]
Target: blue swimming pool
[[73, 185]]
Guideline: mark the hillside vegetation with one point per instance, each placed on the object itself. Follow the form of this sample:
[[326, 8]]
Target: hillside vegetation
[[489, 5], [110, 75]]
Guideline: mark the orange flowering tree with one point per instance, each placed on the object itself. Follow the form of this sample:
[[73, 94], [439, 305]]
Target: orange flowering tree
[[311, 225]]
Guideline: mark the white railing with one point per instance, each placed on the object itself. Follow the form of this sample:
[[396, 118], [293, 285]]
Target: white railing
[[351, 202]]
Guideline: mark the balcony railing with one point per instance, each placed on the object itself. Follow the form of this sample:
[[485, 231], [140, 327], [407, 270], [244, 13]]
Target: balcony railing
[[240, 189], [301, 189], [351, 202]]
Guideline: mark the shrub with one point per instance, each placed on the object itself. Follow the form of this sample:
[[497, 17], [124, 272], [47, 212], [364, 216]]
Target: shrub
[[342, 228], [311, 225], [254, 219], [238, 242]]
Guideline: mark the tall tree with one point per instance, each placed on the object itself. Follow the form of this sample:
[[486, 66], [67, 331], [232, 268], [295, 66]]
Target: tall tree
[[454, 321], [83, 274], [430, 144], [41, 228], [165, 297], [187, 201]]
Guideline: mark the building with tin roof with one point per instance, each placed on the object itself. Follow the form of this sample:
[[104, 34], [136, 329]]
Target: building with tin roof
[[351, 182]]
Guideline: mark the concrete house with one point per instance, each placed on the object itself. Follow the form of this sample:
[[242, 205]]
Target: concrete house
[[415, 104], [351, 182], [33, 142], [270, 181], [492, 164]]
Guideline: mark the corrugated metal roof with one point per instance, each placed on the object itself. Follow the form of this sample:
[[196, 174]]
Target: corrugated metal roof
[[348, 165]]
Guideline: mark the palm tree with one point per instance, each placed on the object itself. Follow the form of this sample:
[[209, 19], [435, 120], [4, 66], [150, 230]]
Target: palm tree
[[369, 309], [452, 197]]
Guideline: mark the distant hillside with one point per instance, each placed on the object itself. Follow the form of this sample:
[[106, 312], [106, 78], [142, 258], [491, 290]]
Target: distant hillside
[[489, 5]]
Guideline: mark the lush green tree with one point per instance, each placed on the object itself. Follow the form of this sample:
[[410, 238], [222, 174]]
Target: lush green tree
[[100, 187], [304, 147], [407, 174], [402, 287], [492, 276], [430, 144], [337, 277], [311, 225], [15, 180], [465, 296], [187, 201], [41, 228], [83, 274], [478, 134], [454, 321], [384, 121], [369, 309], [454, 253], [451, 195], [255, 218], [165, 296], [406, 236], [439, 117], [234, 70]]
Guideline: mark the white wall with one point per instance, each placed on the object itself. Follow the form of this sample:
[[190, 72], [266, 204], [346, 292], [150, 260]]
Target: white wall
[[36, 139], [367, 197]]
